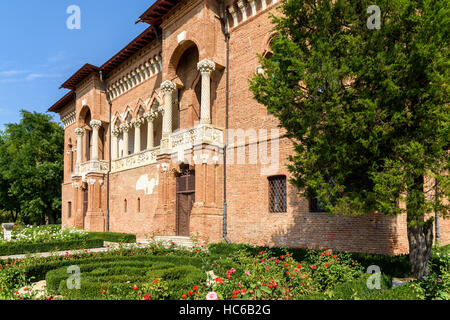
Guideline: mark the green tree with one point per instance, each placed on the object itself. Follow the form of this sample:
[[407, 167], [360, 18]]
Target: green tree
[[367, 109], [31, 168]]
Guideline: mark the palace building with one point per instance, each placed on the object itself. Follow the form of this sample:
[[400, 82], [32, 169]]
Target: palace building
[[165, 139]]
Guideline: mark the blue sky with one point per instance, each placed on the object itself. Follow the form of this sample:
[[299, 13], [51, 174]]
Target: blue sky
[[38, 52]]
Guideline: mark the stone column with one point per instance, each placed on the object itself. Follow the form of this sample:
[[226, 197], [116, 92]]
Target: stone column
[[125, 128], [168, 87], [233, 13], [263, 5], [242, 7], [253, 6], [95, 125], [114, 143], [137, 134], [150, 116], [206, 67], [79, 132]]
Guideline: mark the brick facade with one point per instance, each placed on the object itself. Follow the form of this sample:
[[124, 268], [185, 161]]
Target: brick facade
[[141, 176]]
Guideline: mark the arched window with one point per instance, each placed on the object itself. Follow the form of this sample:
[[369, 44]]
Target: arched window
[[69, 209], [70, 152]]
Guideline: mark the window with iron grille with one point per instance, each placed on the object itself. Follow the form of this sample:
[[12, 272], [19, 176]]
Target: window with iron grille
[[277, 194], [315, 205]]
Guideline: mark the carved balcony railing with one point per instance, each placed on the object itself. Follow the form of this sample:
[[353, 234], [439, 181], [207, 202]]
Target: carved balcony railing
[[92, 166], [198, 135], [135, 160]]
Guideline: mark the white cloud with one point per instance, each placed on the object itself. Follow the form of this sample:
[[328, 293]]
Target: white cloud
[[34, 76], [11, 73]]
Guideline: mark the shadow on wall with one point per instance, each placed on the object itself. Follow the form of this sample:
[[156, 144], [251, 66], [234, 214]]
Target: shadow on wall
[[371, 233]]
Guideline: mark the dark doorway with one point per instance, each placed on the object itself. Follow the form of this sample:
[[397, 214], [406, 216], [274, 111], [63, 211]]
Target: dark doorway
[[185, 200]]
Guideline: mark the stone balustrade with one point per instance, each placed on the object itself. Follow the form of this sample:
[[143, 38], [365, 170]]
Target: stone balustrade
[[135, 160]]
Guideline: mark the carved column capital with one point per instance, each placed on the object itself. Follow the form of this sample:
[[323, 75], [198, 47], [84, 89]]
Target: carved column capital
[[79, 131], [168, 87], [137, 122], [150, 116], [95, 124], [206, 66], [116, 132], [125, 127]]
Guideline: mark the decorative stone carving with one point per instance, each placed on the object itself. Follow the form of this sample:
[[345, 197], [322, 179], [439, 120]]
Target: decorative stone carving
[[206, 66], [168, 86], [135, 160], [79, 131]]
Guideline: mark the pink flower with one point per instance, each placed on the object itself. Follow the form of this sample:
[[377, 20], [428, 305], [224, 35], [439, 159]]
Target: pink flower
[[212, 296], [247, 273]]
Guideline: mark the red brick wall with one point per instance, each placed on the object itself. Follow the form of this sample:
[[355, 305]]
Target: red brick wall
[[249, 219]]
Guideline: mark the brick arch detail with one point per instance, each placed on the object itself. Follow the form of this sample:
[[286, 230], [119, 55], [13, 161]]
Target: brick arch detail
[[176, 56]]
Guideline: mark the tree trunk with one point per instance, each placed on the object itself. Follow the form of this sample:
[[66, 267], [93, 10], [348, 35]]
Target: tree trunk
[[420, 232], [420, 240]]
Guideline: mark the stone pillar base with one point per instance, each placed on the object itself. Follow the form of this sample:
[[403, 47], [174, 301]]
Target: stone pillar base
[[206, 223], [95, 222]]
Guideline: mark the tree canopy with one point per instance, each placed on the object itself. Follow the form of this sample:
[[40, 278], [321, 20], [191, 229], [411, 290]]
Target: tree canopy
[[31, 168], [367, 108]]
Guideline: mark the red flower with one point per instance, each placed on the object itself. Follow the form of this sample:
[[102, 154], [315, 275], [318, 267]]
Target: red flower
[[326, 253], [49, 298], [190, 293], [155, 281], [314, 267], [135, 287], [326, 265], [146, 297], [334, 256], [264, 284], [277, 260], [282, 257], [194, 288], [228, 276], [299, 266], [184, 296], [234, 296], [286, 264], [104, 291], [287, 272], [219, 281]]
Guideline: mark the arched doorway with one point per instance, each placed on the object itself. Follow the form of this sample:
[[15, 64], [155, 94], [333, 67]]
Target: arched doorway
[[185, 200]]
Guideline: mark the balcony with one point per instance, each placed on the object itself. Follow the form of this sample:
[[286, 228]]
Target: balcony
[[198, 135], [92, 166], [135, 160]]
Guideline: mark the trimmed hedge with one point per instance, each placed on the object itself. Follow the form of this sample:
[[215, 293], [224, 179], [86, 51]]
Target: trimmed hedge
[[24, 248], [123, 272], [113, 237]]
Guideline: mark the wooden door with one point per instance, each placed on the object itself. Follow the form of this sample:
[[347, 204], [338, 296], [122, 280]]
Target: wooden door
[[185, 201]]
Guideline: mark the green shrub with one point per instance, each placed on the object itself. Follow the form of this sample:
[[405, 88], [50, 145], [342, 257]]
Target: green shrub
[[113, 237], [117, 276], [13, 248]]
